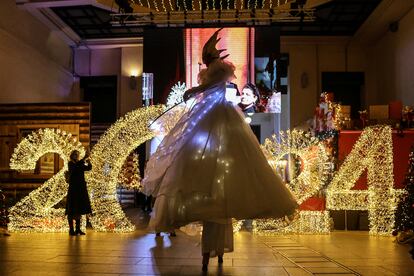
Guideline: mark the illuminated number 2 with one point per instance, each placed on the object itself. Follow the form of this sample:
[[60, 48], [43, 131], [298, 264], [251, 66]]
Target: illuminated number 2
[[35, 212]]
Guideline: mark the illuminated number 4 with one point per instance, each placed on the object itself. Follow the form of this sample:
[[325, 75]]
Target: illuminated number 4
[[373, 152]]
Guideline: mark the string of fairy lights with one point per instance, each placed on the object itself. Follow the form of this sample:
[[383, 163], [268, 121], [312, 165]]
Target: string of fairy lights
[[128, 177], [107, 158], [307, 222], [372, 152], [35, 212], [315, 168], [161, 6], [311, 154]]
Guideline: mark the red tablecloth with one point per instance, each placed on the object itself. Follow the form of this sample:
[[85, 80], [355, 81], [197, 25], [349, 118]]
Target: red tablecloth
[[401, 149], [313, 204]]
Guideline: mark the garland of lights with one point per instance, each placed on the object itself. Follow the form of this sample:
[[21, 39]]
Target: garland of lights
[[313, 176], [107, 158], [336, 109], [237, 224], [373, 151], [35, 212], [308, 222], [129, 177], [312, 154], [209, 5]]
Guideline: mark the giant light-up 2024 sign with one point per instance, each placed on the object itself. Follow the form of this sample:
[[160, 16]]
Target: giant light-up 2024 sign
[[36, 212]]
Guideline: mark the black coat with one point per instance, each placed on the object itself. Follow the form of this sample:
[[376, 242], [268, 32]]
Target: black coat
[[77, 201]]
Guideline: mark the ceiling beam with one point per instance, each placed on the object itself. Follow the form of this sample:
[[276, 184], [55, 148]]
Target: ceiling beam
[[378, 22]]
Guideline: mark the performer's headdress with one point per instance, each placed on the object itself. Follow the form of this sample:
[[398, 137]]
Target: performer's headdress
[[210, 53]]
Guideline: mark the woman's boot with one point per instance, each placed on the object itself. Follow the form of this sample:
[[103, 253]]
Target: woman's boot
[[70, 222], [78, 230]]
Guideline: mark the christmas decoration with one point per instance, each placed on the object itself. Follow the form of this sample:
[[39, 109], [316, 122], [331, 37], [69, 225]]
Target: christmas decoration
[[3, 214], [128, 177], [176, 94], [404, 215], [328, 115], [372, 152], [307, 222], [164, 123], [237, 224], [107, 158], [407, 116], [311, 168], [35, 212], [310, 156]]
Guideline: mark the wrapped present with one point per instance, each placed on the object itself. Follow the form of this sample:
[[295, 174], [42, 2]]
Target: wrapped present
[[378, 112], [408, 116], [395, 110]]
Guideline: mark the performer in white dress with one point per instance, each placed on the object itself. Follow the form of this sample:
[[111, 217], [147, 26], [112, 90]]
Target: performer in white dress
[[210, 167]]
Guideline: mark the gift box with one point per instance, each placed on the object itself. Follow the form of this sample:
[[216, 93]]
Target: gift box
[[346, 111], [329, 96], [378, 112], [395, 110]]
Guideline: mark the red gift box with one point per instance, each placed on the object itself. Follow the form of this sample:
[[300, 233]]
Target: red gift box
[[395, 110]]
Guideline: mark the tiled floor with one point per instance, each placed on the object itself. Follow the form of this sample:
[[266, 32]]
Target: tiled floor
[[340, 253]]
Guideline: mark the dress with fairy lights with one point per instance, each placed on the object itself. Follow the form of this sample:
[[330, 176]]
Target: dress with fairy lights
[[210, 165]]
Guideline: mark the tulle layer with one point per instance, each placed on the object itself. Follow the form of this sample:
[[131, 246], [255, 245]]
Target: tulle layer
[[210, 166]]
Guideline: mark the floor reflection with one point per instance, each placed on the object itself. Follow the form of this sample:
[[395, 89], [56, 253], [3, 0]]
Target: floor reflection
[[142, 253]]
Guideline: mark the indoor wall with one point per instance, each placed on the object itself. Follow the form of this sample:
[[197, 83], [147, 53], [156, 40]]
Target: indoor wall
[[34, 61], [308, 57], [36, 65], [121, 62], [391, 60]]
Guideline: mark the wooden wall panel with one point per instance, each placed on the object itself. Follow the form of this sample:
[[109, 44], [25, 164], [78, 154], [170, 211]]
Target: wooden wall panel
[[17, 120]]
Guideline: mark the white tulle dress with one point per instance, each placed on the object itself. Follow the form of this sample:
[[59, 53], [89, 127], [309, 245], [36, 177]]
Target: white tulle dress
[[210, 166]]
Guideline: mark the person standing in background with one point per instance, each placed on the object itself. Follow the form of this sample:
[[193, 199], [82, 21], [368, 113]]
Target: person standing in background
[[77, 201]]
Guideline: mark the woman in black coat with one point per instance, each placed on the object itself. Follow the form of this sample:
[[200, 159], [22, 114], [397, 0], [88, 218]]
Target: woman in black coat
[[77, 201]]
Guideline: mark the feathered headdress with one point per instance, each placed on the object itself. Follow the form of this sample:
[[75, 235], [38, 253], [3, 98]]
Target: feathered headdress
[[210, 53]]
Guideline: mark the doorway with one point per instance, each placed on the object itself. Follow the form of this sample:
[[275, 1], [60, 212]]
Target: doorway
[[348, 88], [101, 92]]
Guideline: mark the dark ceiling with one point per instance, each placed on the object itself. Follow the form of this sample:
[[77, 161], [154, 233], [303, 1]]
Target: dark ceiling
[[91, 22], [336, 18]]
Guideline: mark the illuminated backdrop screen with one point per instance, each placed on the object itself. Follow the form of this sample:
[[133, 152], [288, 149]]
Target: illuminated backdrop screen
[[239, 43]]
